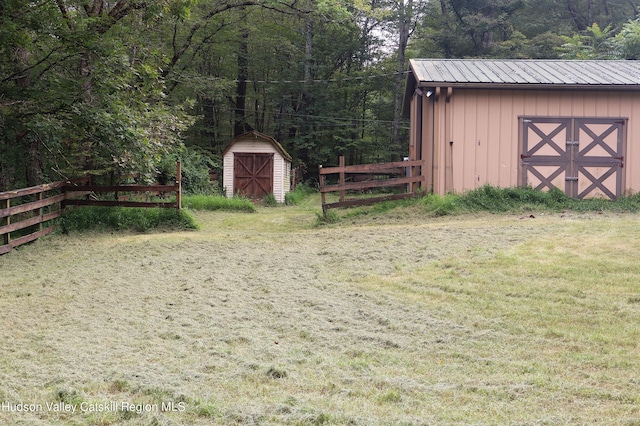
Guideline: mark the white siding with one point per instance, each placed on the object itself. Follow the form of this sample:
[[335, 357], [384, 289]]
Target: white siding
[[281, 166]]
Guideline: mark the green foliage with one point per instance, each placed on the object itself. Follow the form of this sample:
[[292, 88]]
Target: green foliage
[[628, 40], [594, 43], [297, 196], [517, 200], [195, 165], [331, 216], [270, 200], [491, 199], [217, 202], [436, 205], [119, 218]]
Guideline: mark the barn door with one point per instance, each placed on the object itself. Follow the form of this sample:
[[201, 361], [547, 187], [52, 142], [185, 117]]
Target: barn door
[[581, 156], [253, 174]]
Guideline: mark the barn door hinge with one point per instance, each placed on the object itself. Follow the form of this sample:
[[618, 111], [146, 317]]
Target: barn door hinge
[[571, 179], [573, 142]]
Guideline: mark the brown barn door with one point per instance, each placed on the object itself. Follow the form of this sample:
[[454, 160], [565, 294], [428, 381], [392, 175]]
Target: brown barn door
[[581, 156], [253, 174]]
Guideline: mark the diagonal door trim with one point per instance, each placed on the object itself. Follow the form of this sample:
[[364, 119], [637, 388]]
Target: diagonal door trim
[[574, 160]]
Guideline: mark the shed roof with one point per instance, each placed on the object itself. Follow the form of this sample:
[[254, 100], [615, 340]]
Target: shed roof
[[261, 136]]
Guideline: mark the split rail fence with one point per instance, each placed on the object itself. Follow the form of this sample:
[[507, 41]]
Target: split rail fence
[[358, 178], [27, 211]]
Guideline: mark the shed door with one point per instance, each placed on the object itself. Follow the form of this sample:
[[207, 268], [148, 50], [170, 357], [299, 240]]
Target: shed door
[[583, 157], [253, 174]]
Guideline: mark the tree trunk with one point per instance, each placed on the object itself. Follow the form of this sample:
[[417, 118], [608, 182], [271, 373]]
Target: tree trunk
[[406, 15], [240, 122]]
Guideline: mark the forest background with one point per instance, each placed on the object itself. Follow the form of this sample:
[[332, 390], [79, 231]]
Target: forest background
[[120, 87]]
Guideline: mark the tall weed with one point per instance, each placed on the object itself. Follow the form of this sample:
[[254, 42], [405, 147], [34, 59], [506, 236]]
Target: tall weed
[[137, 219], [218, 202]]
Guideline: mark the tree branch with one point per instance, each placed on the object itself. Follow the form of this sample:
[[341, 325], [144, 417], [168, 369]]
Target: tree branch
[[177, 55]]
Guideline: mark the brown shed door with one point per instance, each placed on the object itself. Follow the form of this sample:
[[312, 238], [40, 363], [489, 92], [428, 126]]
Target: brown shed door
[[583, 157], [253, 174]]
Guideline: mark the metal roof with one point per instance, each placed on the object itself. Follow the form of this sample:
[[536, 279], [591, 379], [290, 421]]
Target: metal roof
[[522, 73]]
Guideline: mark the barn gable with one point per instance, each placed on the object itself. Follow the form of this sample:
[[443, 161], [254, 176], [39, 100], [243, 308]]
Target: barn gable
[[256, 165], [565, 124]]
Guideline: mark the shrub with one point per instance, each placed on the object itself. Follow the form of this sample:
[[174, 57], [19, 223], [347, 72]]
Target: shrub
[[195, 170], [137, 219], [270, 200], [217, 202]]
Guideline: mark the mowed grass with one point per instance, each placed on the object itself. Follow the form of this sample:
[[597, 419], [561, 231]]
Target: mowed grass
[[267, 318]]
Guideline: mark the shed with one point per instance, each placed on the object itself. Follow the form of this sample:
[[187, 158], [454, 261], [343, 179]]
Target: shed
[[572, 125], [256, 165]]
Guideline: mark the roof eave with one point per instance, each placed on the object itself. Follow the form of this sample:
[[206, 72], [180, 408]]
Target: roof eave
[[615, 87]]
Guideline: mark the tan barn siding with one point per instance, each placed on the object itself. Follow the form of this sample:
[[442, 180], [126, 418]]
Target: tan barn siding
[[439, 144], [427, 137], [506, 173], [490, 117]]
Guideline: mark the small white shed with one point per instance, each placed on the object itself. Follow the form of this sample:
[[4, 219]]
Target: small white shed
[[255, 165]]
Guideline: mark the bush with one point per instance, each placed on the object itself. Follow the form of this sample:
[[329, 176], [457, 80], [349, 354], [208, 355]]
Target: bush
[[137, 219], [270, 200], [195, 170], [217, 202]]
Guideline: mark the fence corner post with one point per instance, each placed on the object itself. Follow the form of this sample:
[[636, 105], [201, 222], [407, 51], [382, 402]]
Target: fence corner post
[[179, 184]]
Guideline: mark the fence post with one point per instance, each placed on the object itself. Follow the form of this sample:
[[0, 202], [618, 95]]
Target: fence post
[[322, 194], [179, 184], [6, 221], [41, 211], [342, 177]]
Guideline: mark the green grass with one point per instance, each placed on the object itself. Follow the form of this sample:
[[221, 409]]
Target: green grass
[[119, 218], [217, 202], [265, 319], [297, 196], [492, 199]]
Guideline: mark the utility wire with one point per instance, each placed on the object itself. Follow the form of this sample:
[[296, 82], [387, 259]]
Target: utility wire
[[330, 80]]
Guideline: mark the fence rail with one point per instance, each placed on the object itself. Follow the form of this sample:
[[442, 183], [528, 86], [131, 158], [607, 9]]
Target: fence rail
[[28, 214], [369, 176], [56, 196], [121, 202]]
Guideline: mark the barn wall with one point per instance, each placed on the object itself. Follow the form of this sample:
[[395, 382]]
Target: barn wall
[[475, 135], [280, 165]]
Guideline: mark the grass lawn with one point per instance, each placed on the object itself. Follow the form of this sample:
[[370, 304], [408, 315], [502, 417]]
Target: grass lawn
[[266, 318]]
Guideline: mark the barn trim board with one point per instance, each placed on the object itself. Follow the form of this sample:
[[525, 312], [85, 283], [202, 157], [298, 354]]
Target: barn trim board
[[468, 120]]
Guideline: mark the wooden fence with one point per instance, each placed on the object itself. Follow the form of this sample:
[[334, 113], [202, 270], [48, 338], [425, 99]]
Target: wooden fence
[[32, 208], [51, 199], [406, 174]]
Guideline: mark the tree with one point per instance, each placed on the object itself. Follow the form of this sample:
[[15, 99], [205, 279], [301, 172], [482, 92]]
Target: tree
[[627, 41]]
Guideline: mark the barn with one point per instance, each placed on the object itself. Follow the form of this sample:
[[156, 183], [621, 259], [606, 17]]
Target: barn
[[255, 165], [572, 125]]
